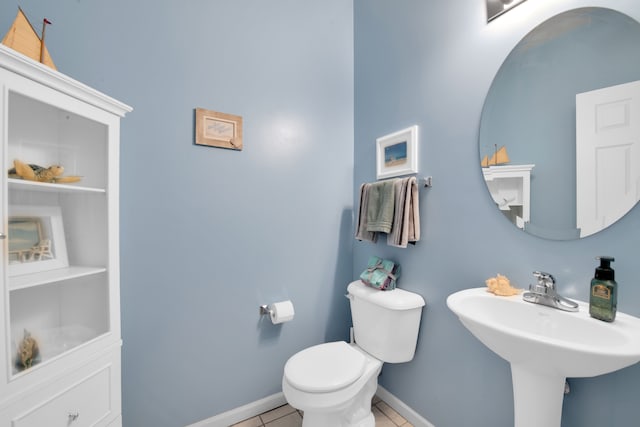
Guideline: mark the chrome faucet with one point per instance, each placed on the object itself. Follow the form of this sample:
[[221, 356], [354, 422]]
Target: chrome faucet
[[544, 293]]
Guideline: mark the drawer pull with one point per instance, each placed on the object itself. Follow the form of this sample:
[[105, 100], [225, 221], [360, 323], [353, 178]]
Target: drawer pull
[[73, 416]]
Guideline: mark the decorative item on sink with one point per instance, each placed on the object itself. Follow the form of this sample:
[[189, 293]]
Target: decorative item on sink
[[31, 172], [28, 352], [501, 286]]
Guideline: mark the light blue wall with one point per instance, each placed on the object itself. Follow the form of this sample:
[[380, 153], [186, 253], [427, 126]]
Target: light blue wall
[[431, 64], [208, 234]]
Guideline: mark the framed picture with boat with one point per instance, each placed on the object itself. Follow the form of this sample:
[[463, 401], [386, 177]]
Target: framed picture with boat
[[397, 153], [216, 129]]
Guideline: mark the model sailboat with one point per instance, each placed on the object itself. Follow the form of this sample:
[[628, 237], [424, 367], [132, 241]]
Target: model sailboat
[[500, 157], [22, 37]]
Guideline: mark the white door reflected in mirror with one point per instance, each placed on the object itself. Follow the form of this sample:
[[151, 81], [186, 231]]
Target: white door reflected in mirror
[[607, 155]]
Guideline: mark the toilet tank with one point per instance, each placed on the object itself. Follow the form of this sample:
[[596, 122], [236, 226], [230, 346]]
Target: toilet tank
[[385, 323]]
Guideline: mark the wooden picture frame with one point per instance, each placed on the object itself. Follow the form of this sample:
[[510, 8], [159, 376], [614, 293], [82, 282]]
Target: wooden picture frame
[[216, 129], [397, 153], [36, 239]]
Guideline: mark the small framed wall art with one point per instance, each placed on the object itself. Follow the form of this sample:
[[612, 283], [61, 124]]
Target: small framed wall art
[[216, 129], [36, 239], [397, 153]]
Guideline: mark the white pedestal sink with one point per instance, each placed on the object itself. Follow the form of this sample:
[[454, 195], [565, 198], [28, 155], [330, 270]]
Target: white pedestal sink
[[544, 346]]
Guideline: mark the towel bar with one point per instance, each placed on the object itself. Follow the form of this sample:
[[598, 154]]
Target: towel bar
[[426, 181]]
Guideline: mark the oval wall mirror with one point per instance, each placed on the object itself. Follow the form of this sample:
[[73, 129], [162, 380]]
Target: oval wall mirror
[[560, 129]]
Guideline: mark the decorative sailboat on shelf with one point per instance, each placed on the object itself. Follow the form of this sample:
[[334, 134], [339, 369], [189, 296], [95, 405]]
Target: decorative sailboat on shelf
[[499, 157], [22, 37]]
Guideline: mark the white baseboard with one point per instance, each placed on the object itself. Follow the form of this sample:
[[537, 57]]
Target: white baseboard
[[275, 400], [401, 408], [249, 410]]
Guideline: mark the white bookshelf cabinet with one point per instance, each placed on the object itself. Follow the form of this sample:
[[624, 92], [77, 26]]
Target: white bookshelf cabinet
[[59, 249]]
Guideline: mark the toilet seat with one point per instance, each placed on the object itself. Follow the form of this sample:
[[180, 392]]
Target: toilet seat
[[324, 368]]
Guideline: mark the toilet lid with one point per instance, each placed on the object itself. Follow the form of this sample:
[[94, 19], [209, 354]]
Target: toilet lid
[[325, 367]]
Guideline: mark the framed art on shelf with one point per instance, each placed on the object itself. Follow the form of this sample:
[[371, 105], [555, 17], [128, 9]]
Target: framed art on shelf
[[216, 129], [397, 153], [36, 239]]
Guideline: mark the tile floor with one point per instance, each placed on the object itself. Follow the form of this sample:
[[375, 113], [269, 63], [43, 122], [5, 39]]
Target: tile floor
[[286, 416]]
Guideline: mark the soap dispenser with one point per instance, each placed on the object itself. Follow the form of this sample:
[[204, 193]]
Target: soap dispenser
[[603, 299]]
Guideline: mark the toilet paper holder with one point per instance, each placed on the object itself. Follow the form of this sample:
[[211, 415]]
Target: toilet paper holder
[[265, 310], [278, 312]]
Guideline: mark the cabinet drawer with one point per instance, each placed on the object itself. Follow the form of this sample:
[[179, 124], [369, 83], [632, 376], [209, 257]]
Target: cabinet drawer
[[83, 404]]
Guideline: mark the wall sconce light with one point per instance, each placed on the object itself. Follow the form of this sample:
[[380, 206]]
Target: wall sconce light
[[496, 8]]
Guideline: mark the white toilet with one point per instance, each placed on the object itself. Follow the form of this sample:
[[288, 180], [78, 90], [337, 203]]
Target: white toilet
[[334, 383]]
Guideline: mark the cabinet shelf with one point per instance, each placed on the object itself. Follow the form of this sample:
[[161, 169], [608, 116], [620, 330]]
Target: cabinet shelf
[[52, 276], [54, 342], [20, 184]]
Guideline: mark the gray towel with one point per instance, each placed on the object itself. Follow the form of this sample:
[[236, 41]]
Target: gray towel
[[380, 206], [361, 220]]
